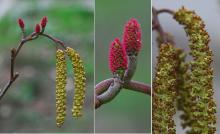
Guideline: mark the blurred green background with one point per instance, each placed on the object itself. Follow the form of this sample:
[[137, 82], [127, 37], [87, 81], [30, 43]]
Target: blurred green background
[[129, 111], [29, 105]]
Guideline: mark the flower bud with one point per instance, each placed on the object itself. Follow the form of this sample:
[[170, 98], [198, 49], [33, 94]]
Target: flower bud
[[117, 57], [21, 23], [132, 37]]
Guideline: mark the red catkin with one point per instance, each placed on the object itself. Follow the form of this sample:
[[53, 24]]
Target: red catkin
[[117, 56], [43, 22], [37, 28], [132, 37], [21, 23]]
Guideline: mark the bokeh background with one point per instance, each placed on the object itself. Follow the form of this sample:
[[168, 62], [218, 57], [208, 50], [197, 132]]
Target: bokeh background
[[129, 111], [210, 13], [29, 105]]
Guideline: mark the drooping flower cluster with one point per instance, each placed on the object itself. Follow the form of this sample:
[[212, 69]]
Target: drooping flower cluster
[[164, 90], [199, 107], [132, 37], [117, 57], [61, 75], [79, 77]]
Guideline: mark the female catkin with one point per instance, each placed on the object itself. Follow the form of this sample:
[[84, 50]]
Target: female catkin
[[61, 75], [200, 109], [79, 78], [164, 90]]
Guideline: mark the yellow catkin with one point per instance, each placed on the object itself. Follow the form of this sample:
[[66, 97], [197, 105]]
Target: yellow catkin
[[61, 75], [79, 78]]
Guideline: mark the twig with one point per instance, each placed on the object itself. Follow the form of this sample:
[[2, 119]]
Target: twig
[[15, 52], [54, 39], [165, 11], [103, 86], [157, 26], [132, 64], [111, 93]]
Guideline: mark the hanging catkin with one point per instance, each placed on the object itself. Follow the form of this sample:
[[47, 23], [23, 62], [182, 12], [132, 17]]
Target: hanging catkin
[[79, 78], [61, 75], [199, 108], [164, 90]]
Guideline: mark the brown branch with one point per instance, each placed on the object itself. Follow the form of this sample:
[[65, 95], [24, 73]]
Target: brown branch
[[164, 37], [171, 12], [103, 86], [132, 65], [54, 39], [15, 52], [138, 86]]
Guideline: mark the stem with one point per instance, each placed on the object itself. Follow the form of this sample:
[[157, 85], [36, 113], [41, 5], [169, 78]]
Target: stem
[[15, 52], [54, 39], [157, 26], [171, 12], [165, 37], [132, 64], [111, 93], [104, 85]]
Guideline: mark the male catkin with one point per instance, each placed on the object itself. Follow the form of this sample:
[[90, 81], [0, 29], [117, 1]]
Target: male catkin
[[61, 75], [200, 109], [79, 78], [164, 90]]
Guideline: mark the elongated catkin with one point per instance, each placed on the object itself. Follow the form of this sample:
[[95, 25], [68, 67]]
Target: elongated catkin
[[61, 75], [199, 108], [164, 90], [79, 78]]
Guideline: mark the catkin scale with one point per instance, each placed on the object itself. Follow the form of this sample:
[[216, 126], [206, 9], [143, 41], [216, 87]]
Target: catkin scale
[[61, 75], [79, 78], [199, 107]]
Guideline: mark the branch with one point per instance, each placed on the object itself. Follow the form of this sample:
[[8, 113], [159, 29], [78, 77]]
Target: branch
[[163, 36], [104, 85], [111, 93], [171, 12], [132, 65], [15, 52]]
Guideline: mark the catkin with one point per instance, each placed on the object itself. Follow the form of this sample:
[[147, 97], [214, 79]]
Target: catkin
[[200, 108], [164, 90], [79, 78], [61, 75]]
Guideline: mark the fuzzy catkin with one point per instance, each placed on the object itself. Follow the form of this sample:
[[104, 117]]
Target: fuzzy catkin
[[79, 78], [200, 109], [164, 90], [61, 75]]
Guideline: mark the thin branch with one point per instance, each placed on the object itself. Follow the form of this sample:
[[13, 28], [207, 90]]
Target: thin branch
[[132, 65], [104, 85], [111, 93], [138, 86], [164, 37], [54, 39], [171, 12], [15, 52], [157, 25]]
